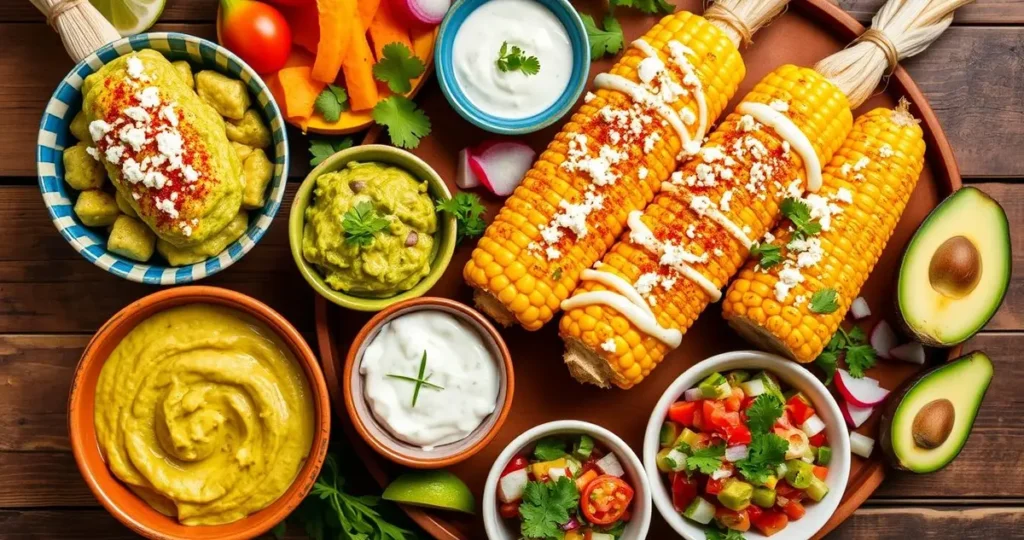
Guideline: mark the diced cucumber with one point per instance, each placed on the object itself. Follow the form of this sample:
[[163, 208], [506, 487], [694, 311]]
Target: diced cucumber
[[669, 433], [770, 482], [670, 460], [573, 465], [753, 388], [715, 386], [582, 448], [824, 455], [771, 385], [736, 494], [700, 511], [763, 497], [799, 474], [688, 436], [818, 489], [737, 376]]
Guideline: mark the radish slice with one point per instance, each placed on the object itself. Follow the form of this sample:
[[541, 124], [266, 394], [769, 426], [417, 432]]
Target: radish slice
[[609, 464], [693, 394], [736, 453], [502, 166], [512, 485], [859, 309], [855, 416], [883, 339], [421, 12], [863, 392], [912, 352], [813, 425], [861, 445], [465, 178]]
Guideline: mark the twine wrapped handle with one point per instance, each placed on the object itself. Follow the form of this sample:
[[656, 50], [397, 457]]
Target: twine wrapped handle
[[740, 19], [58, 9], [81, 27], [880, 40]]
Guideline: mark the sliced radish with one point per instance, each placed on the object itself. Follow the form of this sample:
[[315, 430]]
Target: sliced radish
[[502, 166], [421, 12], [512, 485], [862, 445], [859, 309], [753, 387], [862, 392], [813, 425], [609, 464], [855, 416], [883, 339], [736, 453], [693, 394], [912, 352], [465, 178]]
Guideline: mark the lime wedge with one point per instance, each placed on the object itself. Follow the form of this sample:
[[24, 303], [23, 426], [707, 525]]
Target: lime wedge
[[130, 16], [433, 489]]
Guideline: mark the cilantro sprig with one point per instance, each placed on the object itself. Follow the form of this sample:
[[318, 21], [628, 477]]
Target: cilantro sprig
[[398, 67], [546, 507], [419, 380], [323, 148], [650, 7], [768, 255], [604, 41], [706, 460], [799, 214], [467, 210], [549, 448], [361, 223], [718, 534], [765, 452], [514, 59], [852, 346], [406, 123], [763, 413], [824, 301], [332, 101]]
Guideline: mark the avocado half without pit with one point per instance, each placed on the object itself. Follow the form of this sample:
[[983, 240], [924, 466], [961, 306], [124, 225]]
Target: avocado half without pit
[[956, 269], [927, 421]]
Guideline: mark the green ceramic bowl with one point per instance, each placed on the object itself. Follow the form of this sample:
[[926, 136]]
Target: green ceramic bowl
[[444, 246]]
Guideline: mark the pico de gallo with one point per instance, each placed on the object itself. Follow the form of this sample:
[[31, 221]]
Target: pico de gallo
[[739, 454], [567, 487]]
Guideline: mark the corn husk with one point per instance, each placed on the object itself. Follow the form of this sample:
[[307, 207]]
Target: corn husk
[[80, 26]]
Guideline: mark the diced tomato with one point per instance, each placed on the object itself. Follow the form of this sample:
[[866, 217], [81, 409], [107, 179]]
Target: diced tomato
[[770, 522], [711, 413], [799, 410], [794, 510], [713, 487], [590, 464], [509, 510], [737, 435], [819, 440], [737, 521], [783, 489], [754, 511], [605, 500], [820, 472], [684, 491], [698, 420], [747, 402], [734, 401], [585, 479], [682, 412], [518, 462]]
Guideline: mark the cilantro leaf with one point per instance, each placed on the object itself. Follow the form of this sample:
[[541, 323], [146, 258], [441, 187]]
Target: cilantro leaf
[[323, 148], [769, 255], [467, 210], [331, 102], [763, 413], [651, 7], [824, 301], [860, 358], [856, 335], [549, 448], [398, 67], [515, 59], [706, 460], [853, 346], [606, 41], [799, 214], [406, 123], [766, 452], [546, 506], [361, 222], [727, 534], [827, 362]]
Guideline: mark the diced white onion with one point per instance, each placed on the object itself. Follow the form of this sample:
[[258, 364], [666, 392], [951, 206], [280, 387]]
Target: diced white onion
[[609, 464], [693, 394], [813, 425], [753, 387], [861, 445], [736, 453], [512, 485], [555, 473], [859, 308], [721, 473], [781, 470]]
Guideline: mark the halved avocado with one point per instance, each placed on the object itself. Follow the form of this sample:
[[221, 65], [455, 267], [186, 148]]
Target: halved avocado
[[927, 421], [956, 270]]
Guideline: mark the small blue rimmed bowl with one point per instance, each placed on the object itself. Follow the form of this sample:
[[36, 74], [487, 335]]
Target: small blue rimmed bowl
[[55, 135], [445, 68]]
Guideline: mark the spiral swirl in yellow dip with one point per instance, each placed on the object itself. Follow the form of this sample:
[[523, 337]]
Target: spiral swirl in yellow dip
[[205, 413]]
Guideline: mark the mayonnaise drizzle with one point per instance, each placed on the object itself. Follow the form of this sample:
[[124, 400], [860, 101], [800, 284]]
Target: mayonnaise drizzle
[[789, 132], [623, 298], [678, 57], [639, 94], [637, 224], [715, 215]]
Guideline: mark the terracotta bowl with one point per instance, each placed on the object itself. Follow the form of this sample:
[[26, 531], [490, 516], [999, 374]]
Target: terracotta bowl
[[378, 437], [120, 501]]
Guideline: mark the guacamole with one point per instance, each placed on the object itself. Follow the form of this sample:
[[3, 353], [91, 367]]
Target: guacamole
[[204, 413], [395, 255]]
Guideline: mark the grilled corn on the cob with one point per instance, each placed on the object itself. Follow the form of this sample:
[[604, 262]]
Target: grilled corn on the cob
[[870, 180]]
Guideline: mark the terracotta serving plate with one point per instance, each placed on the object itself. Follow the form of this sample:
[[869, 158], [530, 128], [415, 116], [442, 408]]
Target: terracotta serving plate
[[809, 31]]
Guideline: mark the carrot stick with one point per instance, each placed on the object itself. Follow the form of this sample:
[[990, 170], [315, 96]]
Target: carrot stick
[[387, 28], [338, 19], [358, 68]]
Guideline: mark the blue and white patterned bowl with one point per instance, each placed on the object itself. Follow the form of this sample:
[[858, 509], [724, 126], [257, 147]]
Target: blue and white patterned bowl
[[54, 136], [445, 69]]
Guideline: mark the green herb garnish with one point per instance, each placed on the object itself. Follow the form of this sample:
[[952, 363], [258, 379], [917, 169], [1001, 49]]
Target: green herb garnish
[[323, 148], [824, 301], [727, 534], [546, 507], [606, 41], [763, 413], [418, 380], [406, 123], [398, 67], [361, 223], [467, 210], [766, 452], [799, 214], [514, 59], [706, 460], [549, 448], [852, 345], [768, 255], [650, 7], [331, 102]]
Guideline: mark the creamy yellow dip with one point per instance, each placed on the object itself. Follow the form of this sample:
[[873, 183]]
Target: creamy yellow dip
[[205, 413]]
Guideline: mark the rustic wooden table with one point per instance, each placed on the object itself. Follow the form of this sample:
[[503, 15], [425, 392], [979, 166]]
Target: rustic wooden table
[[52, 300]]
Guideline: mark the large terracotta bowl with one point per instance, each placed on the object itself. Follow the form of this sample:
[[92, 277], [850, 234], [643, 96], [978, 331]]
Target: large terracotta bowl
[[120, 501]]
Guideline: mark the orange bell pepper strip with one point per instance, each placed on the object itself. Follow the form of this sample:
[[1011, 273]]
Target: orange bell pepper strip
[[367, 10], [338, 21], [386, 29], [358, 69]]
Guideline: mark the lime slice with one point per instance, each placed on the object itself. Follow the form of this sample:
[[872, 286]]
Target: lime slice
[[433, 489], [130, 16]]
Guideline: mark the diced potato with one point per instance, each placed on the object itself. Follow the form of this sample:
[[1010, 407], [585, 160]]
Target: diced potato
[[177, 256], [131, 238], [185, 70], [80, 127], [124, 206], [258, 171], [96, 208], [249, 130], [228, 96], [82, 171], [241, 150]]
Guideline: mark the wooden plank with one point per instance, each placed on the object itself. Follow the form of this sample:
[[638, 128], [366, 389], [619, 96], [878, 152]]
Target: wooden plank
[[980, 12], [80, 524], [45, 287], [195, 11], [972, 77], [932, 523], [30, 480]]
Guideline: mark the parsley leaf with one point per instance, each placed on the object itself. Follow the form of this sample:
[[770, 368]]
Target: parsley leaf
[[769, 254], [763, 413], [799, 214], [398, 67], [323, 148], [706, 460], [546, 506], [549, 448], [515, 59], [824, 301], [361, 222], [651, 7], [727, 534], [331, 102], [602, 42], [406, 123], [766, 452], [860, 358], [467, 210]]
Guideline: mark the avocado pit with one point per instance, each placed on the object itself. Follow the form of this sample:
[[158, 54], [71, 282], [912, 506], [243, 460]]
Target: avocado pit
[[955, 268], [933, 423]]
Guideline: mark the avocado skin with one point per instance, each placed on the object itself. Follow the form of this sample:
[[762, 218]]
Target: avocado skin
[[897, 397]]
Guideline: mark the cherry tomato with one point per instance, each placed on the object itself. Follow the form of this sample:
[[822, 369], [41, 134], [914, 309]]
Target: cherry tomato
[[794, 510], [713, 487], [509, 510], [820, 472], [605, 500], [770, 522], [737, 521], [682, 412], [737, 435], [684, 491], [518, 462], [256, 32], [819, 440]]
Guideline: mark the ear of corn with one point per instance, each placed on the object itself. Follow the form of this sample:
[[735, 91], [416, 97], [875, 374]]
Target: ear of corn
[[603, 346], [876, 169], [516, 277]]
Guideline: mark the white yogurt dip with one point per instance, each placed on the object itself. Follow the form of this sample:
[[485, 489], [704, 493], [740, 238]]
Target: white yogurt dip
[[458, 385], [522, 23]]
